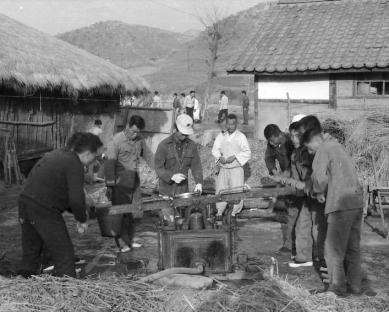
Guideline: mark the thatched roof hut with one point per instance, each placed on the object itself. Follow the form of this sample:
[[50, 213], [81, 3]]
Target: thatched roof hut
[[31, 60], [49, 88]]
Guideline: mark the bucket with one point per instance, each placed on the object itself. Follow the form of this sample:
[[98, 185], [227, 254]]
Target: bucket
[[110, 225]]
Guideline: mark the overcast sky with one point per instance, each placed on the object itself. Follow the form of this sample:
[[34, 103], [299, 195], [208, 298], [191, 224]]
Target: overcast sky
[[55, 16]]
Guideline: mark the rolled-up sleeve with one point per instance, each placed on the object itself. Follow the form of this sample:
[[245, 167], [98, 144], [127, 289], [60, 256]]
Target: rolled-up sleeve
[[244, 154], [110, 164], [159, 164], [270, 159], [196, 167], [75, 184], [319, 175], [216, 147]]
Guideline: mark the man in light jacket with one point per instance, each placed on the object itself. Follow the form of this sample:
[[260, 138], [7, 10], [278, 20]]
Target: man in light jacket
[[231, 151]]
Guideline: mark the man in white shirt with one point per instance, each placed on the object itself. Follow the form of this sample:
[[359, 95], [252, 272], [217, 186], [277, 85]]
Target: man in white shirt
[[231, 151], [157, 102], [189, 103], [97, 128], [223, 107]]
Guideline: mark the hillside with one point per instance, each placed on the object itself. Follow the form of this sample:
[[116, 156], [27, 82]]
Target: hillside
[[186, 68], [126, 45]]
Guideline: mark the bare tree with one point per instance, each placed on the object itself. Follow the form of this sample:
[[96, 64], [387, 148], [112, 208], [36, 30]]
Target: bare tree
[[211, 18]]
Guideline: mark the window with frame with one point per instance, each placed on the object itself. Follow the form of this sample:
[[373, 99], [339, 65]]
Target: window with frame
[[377, 85]]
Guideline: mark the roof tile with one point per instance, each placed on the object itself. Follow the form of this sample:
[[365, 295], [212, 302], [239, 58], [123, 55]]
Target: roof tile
[[317, 36]]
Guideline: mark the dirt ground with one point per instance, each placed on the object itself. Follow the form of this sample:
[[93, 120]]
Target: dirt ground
[[257, 238]]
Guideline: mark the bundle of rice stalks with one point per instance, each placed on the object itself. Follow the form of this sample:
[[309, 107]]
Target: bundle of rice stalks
[[47, 293], [335, 128], [368, 138], [329, 302], [266, 296]]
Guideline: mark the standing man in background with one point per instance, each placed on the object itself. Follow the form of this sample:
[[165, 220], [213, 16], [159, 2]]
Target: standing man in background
[[176, 104], [121, 173], [223, 107], [245, 107], [189, 103], [231, 151], [157, 102]]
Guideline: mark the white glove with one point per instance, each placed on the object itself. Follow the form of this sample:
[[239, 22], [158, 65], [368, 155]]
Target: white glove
[[321, 198], [198, 188], [178, 178], [82, 227]]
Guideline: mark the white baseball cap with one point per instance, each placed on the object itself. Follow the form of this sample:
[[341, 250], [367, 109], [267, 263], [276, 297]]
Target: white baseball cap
[[185, 124], [298, 117]]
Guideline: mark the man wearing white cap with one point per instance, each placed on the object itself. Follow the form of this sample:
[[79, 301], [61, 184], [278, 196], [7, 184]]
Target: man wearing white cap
[[174, 157], [231, 151]]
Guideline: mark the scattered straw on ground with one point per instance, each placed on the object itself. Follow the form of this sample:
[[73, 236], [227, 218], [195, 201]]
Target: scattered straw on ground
[[46, 293]]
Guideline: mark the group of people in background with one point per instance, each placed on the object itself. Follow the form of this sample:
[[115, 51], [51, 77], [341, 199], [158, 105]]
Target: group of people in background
[[325, 217]]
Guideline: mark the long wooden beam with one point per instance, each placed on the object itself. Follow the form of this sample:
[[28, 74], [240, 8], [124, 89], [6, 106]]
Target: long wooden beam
[[159, 203]]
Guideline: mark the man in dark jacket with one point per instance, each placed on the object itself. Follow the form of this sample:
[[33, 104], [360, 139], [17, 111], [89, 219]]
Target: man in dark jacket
[[174, 157], [279, 150], [55, 185], [245, 107]]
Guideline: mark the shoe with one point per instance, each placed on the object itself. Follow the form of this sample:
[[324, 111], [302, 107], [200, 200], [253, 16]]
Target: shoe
[[136, 245], [284, 249], [298, 264], [359, 292]]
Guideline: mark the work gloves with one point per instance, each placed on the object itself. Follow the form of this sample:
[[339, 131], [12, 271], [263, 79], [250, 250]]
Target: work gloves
[[82, 227], [178, 178], [198, 188]]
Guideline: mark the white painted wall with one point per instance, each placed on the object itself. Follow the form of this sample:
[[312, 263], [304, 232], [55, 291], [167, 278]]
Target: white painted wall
[[298, 90]]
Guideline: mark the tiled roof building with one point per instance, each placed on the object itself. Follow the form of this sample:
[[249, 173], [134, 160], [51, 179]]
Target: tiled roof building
[[317, 36], [318, 57]]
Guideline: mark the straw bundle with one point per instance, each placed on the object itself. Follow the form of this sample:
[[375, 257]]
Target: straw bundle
[[46, 293], [368, 137]]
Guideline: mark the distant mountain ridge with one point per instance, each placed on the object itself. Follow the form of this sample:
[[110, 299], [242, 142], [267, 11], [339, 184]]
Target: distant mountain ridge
[[126, 45]]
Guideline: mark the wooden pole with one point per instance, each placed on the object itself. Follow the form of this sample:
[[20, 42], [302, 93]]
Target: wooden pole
[[256, 110], [288, 108]]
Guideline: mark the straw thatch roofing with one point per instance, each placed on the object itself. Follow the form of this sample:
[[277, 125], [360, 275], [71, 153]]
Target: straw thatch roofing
[[31, 60], [301, 36]]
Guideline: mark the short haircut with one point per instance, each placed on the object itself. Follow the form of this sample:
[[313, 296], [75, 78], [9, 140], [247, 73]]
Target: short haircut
[[310, 122], [156, 92], [138, 121], [192, 91], [244, 92], [175, 94], [80, 142], [222, 92], [294, 126], [98, 122], [182, 94], [232, 116], [271, 130], [308, 135]]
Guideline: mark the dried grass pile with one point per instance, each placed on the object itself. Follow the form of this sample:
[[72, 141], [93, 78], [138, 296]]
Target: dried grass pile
[[328, 302], [336, 128], [369, 136], [46, 293]]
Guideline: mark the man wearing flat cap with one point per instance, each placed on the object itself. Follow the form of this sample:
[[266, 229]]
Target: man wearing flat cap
[[174, 157]]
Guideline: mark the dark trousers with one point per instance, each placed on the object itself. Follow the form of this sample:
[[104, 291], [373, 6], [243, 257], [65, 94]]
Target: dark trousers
[[310, 231], [189, 111], [122, 195], [245, 115], [40, 228], [342, 250], [223, 113]]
